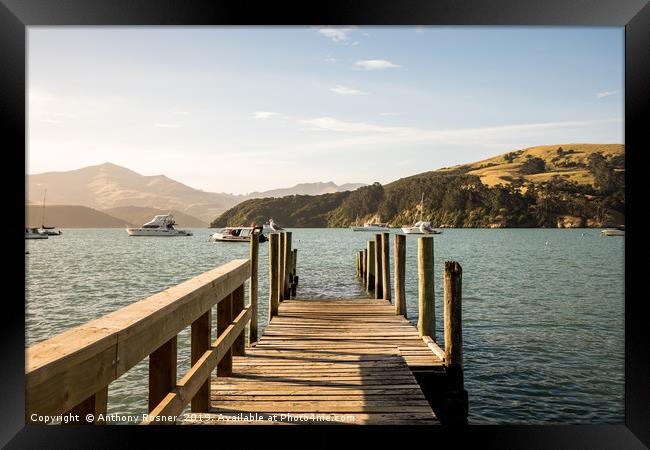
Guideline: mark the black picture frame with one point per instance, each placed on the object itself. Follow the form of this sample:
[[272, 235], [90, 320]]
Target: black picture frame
[[634, 15]]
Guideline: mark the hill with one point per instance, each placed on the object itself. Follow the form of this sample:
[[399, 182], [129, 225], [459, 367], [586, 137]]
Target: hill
[[109, 186], [568, 185], [70, 216], [138, 215]]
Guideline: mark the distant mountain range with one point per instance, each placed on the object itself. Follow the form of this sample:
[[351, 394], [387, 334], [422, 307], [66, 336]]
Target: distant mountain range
[[133, 198]]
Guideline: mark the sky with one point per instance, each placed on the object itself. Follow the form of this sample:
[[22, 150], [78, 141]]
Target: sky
[[242, 109]]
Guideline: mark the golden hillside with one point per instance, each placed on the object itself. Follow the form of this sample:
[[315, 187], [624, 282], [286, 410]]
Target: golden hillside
[[572, 165]]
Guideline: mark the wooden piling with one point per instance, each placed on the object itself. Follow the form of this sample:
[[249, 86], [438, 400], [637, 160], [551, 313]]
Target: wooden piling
[[281, 265], [274, 299], [385, 265], [379, 292], [426, 300], [453, 314], [286, 290], [370, 281], [294, 262], [400, 274], [364, 265], [200, 342], [254, 257], [357, 264]]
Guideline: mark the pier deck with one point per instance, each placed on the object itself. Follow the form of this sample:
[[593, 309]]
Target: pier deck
[[327, 361]]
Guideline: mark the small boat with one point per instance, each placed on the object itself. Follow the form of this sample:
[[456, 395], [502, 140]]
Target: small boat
[[34, 233], [372, 226], [49, 231], [271, 226], [420, 227], [237, 234], [161, 225], [618, 231]]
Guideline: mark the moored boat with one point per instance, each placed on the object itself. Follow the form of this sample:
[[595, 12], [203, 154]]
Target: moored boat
[[34, 233], [372, 226], [161, 225], [618, 231], [238, 234], [421, 226]]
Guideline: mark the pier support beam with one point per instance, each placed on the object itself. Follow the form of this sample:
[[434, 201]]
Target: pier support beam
[[370, 281], [385, 265], [400, 274], [379, 292], [254, 256], [239, 346], [274, 273], [286, 290], [280, 288], [162, 372], [201, 340], [426, 292], [224, 319]]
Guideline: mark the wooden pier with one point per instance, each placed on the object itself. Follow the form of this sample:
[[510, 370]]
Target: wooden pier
[[334, 361]]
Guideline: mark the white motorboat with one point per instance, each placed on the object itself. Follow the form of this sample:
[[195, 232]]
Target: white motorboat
[[420, 227], [161, 225], [271, 226], [372, 226], [34, 233], [237, 234], [618, 231]]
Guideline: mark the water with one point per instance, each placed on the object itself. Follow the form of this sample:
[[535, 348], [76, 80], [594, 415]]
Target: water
[[542, 308]]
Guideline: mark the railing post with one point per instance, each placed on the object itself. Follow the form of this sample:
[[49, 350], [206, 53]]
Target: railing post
[[294, 276], [94, 406], [224, 319], [453, 314], [201, 340], [286, 289], [370, 282], [385, 264], [162, 372], [426, 300], [379, 293], [274, 299], [280, 286], [400, 274], [239, 346], [254, 256]]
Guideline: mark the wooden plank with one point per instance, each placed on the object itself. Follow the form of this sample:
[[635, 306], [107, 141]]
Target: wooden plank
[[162, 371], [201, 337]]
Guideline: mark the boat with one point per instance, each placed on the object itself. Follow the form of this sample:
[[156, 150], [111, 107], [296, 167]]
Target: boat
[[238, 234], [34, 233], [618, 231], [421, 226], [160, 225], [271, 226], [49, 231], [372, 226]]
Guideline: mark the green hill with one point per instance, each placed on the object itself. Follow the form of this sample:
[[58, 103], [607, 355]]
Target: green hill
[[568, 185]]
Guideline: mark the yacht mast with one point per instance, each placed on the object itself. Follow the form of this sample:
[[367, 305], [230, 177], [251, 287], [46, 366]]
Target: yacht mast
[[43, 209], [421, 207]]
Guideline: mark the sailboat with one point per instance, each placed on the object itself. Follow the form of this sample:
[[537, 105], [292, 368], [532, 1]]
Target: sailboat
[[420, 227], [48, 231]]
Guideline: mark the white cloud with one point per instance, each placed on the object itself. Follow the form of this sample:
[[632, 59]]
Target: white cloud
[[264, 114], [166, 125], [605, 94], [375, 64], [336, 34], [346, 90], [332, 124]]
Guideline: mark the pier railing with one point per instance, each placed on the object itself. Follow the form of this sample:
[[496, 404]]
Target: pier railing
[[70, 373]]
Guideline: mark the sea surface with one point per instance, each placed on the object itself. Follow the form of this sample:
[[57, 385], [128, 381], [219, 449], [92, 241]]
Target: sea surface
[[543, 324]]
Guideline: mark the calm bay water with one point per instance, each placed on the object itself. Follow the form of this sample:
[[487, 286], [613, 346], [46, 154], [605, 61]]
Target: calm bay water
[[543, 323]]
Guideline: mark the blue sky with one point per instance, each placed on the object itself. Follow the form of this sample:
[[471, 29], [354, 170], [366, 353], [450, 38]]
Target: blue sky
[[241, 109]]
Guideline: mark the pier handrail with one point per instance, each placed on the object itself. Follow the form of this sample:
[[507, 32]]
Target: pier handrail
[[70, 372]]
